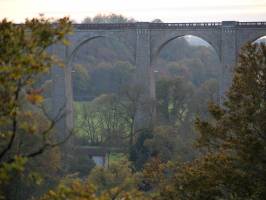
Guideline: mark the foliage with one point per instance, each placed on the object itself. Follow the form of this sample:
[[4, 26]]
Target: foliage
[[155, 175], [234, 165], [139, 153], [233, 139], [157, 21], [106, 69], [23, 58], [111, 18], [38, 175], [81, 164], [78, 190], [117, 175], [109, 119], [116, 182], [163, 144], [102, 121], [81, 79]]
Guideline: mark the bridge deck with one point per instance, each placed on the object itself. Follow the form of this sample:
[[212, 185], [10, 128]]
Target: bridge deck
[[106, 26]]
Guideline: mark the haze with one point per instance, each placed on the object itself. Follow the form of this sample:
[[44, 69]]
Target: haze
[[166, 10]]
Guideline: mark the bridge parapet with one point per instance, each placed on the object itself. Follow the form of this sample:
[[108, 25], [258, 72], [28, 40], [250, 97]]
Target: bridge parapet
[[105, 26], [121, 26], [184, 25], [251, 24]]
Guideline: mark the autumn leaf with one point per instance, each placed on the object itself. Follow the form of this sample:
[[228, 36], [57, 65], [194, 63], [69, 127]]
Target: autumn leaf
[[34, 96]]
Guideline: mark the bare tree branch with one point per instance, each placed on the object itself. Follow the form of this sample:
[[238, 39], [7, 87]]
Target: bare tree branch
[[14, 124]]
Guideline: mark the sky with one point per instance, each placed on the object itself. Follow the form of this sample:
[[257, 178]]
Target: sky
[[141, 10]]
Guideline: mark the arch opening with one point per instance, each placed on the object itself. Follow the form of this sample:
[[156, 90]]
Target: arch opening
[[191, 39], [187, 73], [102, 70], [261, 39], [182, 49]]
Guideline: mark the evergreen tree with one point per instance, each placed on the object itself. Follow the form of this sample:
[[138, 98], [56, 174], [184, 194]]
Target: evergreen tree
[[234, 165]]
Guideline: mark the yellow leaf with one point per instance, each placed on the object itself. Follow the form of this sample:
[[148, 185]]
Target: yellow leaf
[[35, 98]]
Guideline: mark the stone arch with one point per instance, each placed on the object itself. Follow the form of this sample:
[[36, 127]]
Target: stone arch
[[68, 71], [257, 38], [215, 48], [176, 36], [249, 36], [87, 39], [73, 53]]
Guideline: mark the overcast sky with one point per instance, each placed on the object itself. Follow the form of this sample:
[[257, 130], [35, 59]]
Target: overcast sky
[[141, 10]]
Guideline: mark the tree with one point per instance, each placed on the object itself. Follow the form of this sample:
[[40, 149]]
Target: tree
[[102, 122], [80, 165], [174, 97], [117, 175], [111, 18], [130, 100], [164, 143], [84, 190], [163, 88], [111, 117], [81, 79], [157, 21], [88, 126], [182, 92], [233, 166], [23, 58], [207, 92], [139, 153], [115, 182]]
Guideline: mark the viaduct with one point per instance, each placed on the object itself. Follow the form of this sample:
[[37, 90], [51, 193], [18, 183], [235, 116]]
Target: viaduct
[[145, 41]]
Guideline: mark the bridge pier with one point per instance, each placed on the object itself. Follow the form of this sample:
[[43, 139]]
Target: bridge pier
[[144, 78], [228, 55], [58, 89]]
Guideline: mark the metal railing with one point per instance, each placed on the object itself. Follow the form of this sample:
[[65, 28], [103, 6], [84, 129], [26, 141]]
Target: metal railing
[[106, 26], [111, 26], [185, 25], [251, 23]]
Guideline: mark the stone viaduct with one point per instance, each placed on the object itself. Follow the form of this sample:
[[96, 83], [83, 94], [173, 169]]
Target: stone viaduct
[[145, 41]]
